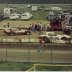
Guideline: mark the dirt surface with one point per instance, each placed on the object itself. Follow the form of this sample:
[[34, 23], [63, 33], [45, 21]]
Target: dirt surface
[[19, 23], [34, 34], [22, 55]]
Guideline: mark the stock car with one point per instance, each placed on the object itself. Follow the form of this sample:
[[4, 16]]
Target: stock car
[[48, 37], [17, 31]]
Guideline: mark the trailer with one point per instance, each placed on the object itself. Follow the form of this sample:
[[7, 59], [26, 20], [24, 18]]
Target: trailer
[[26, 16]]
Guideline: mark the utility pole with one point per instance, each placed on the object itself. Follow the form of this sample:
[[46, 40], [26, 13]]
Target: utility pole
[[51, 49], [6, 50], [29, 47]]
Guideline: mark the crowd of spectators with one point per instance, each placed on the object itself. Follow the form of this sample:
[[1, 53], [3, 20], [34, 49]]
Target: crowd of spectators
[[39, 27]]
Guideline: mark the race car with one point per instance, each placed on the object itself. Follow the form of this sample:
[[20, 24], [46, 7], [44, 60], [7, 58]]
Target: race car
[[48, 37], [17, 31]]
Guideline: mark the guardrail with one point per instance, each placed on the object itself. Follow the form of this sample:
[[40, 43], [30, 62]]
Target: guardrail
[[26, 40], [18, 40]]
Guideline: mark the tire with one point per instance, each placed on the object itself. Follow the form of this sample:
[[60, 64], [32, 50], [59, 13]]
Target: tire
[[47, 40], [64, 38], [11, 34], [28, 33]]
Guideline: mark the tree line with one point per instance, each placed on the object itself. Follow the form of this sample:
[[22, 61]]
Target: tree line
[[36, 1]]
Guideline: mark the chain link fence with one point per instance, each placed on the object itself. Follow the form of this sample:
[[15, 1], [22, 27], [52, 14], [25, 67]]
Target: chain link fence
[[35, 52]]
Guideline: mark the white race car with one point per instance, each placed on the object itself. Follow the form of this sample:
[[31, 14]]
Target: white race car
[[52, 37]]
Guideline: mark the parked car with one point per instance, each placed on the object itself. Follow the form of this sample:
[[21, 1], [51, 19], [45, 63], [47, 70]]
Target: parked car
[[17, 31], [56, 8], [48, 37]]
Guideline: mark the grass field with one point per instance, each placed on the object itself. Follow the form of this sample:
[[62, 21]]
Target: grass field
[[40, 14], [15, 66]]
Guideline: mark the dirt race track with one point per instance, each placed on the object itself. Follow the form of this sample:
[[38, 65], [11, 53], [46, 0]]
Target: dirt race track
[[20, 52], [19, 23]]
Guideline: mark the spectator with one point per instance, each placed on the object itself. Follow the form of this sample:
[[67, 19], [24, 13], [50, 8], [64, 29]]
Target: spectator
[[43, 27], [48, 27], [8, 24], [67, 31], [36, 27], [33, 27], [4, 25], [30, 27]]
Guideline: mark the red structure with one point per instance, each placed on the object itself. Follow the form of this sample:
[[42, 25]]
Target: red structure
[[58, 24]]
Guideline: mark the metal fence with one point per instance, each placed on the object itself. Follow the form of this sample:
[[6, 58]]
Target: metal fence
[[35, 52]]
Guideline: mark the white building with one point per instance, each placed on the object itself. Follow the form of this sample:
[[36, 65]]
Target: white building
[[34, 8]]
